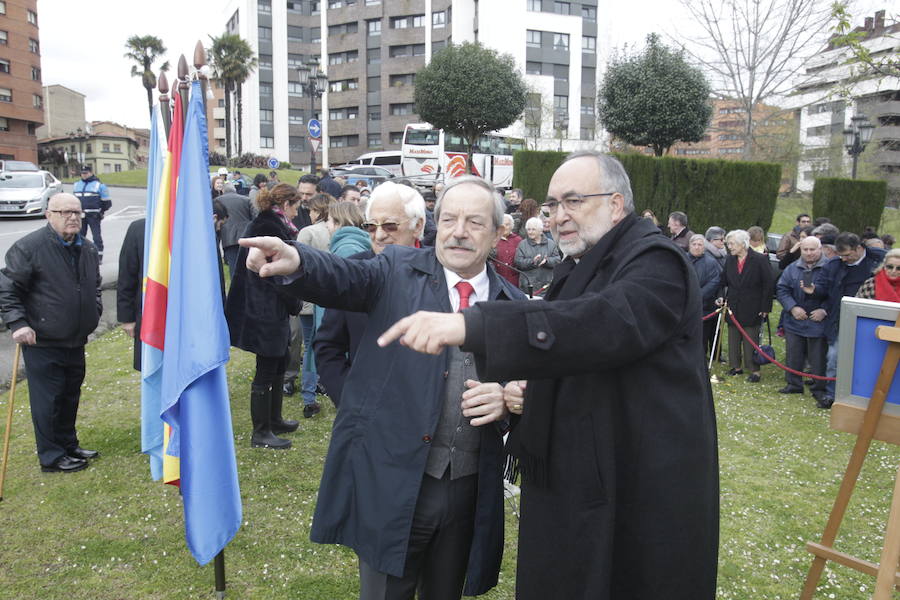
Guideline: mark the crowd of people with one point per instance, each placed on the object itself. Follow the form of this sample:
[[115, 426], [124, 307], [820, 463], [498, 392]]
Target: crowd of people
[[403, 307]]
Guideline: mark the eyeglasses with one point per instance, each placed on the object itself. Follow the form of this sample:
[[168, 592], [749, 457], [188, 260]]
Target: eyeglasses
[[67, 214], [387, 227], [572, 202], [892, 267]]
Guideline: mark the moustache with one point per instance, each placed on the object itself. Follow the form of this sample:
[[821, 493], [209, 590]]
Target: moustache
[[456, 243]]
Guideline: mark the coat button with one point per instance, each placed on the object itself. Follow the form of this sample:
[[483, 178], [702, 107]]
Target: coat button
[[541, 336], [426, 439]]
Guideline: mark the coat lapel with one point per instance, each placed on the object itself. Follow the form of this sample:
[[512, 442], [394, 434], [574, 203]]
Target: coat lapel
[[427, 263]]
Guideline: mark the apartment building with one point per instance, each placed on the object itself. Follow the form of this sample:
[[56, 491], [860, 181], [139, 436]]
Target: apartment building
[[371, 51], [831, 91], [21, 99]]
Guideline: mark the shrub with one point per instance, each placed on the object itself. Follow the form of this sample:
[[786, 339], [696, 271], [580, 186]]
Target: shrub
[[284, 165], [532, 171], [851, 204]]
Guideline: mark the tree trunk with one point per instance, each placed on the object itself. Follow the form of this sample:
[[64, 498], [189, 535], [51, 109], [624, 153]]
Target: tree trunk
[[240, 118], [470, 142], [150, 102], [227, 121]]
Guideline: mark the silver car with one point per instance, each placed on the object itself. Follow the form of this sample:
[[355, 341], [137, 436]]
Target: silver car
[[25, 194]]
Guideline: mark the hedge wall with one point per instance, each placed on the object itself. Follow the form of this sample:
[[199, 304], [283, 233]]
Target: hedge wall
[[851, 204], [731, 194]]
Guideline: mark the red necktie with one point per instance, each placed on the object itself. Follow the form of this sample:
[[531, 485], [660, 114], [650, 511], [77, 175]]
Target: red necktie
[[465, 290]]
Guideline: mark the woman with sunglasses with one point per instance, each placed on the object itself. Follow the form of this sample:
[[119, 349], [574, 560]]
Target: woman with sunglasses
[[885, 283], [258, 319]]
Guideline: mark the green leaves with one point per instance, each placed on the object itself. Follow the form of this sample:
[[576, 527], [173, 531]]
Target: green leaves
[[654, 99]]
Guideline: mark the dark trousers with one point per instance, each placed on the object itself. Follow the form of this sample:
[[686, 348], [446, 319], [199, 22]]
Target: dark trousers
[[92, 220], [799, 349], [270, 370], [231, 255], [737, 343], [439, 543], [54, 377]]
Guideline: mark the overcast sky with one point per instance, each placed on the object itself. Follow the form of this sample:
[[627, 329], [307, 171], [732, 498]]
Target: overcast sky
[[83, 41]]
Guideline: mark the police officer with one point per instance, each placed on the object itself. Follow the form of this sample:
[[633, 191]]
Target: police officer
[[94, 203]]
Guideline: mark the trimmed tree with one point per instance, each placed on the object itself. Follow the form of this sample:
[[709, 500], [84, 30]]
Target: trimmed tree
[[654, 98], [469, 90], [144, 50], [232, 60]]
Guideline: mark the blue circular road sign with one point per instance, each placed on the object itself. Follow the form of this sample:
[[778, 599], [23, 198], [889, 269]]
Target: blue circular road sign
[[273, 163], [314, 128]]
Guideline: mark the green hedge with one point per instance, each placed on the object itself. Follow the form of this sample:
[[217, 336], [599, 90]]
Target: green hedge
[[727, 193], [851, 204]]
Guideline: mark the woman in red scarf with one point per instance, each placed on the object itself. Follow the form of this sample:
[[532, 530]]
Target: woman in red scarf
[[885, 283]]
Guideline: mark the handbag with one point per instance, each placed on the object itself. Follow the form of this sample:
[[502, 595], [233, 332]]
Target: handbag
[[768, 350]]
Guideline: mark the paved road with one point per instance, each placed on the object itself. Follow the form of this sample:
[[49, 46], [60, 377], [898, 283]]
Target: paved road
[[128, 204]]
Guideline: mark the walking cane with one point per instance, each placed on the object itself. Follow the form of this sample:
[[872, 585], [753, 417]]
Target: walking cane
[[715, 346], [9, 417]]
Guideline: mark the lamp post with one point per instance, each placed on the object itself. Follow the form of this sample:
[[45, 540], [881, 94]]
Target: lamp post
[[856, 137], [312, 84]]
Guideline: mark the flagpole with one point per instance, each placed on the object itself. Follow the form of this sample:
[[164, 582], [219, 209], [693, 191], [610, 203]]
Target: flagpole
[[183, 85], [220, 574], [164, 102], [199, 63]]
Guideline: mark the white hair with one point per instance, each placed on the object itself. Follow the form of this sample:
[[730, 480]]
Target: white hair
[[509, 221], [534, 222], [698, 236], [413, 203], [738, 236]]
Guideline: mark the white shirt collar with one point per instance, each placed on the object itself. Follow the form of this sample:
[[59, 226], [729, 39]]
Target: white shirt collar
[[480, 283], [859, 261]]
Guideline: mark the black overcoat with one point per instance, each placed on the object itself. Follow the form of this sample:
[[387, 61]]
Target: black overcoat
[[630, 508], [129, 285], [751, 291], [389, 410], [257, 310]]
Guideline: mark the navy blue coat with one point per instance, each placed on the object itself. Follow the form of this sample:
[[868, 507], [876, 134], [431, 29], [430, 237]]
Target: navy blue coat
[[790, 294], [709, 275], [390, 406], [843, 280]]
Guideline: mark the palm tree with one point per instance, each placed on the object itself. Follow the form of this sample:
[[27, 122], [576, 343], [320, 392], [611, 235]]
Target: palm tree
[[232, 60], [145, 50]]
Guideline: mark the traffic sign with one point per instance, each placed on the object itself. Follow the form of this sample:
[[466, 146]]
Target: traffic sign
[[314, 128], [314, 142], [273, 163]]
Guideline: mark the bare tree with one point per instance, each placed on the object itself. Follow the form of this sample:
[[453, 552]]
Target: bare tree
[[753, 49]]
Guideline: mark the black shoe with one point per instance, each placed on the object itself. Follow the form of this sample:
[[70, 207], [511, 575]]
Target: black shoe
[[790, 390], [809, 382], [825, 403], [753, 378], [280, 424], [736, 372], [80, 452], [261, 415], [289, 388], [310, 410], [66, 464]]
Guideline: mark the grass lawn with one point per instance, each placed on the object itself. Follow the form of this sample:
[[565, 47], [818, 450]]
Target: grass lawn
[[110, 532], [138, 177], [787, 209]]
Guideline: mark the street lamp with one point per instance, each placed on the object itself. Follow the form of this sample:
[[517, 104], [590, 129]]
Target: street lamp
[[857, 136], [312, 84]]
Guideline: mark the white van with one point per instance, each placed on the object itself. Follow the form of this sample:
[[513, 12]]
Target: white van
[[388, 159]]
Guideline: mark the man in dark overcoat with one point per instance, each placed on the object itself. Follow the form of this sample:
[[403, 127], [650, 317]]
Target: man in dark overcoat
[[130, 285], [616, 442], [412, 479]]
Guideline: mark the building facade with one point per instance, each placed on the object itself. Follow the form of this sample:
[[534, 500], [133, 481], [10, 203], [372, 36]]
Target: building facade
[[831, 91], [63, 112], [104, 152], [371, 51], [21, 95]]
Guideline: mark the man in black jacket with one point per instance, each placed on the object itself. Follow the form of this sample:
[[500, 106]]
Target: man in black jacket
[[50, 300]]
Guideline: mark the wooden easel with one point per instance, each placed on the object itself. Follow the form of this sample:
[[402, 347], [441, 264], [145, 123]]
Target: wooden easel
[[886, 573]]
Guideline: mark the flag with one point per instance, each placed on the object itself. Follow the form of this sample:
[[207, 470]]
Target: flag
[[151, 358], [195, 402]]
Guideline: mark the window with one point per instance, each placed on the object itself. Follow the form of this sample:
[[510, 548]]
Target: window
[[334, 3], [4, 38], [339, 58], [220, 122], [2, 7], [342, 28], [533, 39], [87, 148], [342, 141], [343, 85], [731, 110], [221, 103], [37, 101], [295, 144], [265, 89], [374, 56], [396, 137], [266, 142], [221, 143], [32, 17], [295, 116], [339, 114], [313, 7], [691, 151], [401, 80], [4, 65], [265, 61], [405, 108], [265, 33], [439, 19], [373, 140], [294, 88], [561, 73], [315, 35], [561, 8], [118, 167], [294, 60], [35, 74], [372, 2], [730, 136], [561, 41], [374, 27], [588, 44], [374, 113], [266, 115], [5, 95], [117, 148], [731, 150], [105, 147], [33, 46], [4, 124], [820, 130], [264, 6], [532, 68], [588, 13], [534, 5], [294, 33], [587, 133], [561, 105], [373, 84], [587, 107], [407, 50]]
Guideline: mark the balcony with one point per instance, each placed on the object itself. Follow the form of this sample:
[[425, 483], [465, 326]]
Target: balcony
[[886, 133], [886, 157], [891, 108]]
